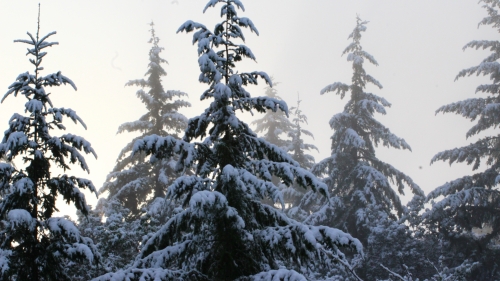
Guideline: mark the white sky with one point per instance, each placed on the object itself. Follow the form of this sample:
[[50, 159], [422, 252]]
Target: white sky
[[103, 44]]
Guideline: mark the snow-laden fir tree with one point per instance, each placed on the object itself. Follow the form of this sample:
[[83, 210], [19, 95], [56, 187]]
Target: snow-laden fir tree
[[134, 182], [298, 149], [224, 231], [34, 245], [465, 211], [359, 183], [136, 189], [274, 125]]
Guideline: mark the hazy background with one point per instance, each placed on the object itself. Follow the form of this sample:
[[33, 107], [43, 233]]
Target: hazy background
[[103, 44]]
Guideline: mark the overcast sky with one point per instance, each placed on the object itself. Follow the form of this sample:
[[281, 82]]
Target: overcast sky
[[103, 44]]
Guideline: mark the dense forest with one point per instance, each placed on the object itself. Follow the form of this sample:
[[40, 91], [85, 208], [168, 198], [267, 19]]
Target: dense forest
[[215, 198]]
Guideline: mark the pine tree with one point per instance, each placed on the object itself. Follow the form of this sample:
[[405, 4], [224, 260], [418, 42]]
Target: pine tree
[[34, 245], [297, 147], [298, 150], [134, 182], [360, 183], [135, 206], [274, 124], [224, 231], [465, 206]]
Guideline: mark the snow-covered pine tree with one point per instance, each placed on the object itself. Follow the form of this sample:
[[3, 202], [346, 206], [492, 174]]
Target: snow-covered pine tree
[[136, 189], [465, 207], [224, 231], [359, 183], [297, 147], [298, 150], [274, 125], [134, 182], [34, 245]]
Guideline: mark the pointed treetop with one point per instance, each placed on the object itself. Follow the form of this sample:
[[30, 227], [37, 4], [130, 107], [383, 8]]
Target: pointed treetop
[[155, 40]]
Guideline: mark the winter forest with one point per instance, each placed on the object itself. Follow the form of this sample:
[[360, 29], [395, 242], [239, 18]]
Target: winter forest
[[220, 170]]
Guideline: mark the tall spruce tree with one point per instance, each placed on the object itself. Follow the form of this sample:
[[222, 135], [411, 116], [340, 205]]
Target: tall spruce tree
[[134, 182], [224, 231], [465, 211], [274, 125], [359, 183], [34, 245]]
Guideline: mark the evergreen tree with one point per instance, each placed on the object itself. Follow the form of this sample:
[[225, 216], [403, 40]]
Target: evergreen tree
[[135, 206], [134, 182], [34, 245], [274, 124], [298, 150], [360, 183], [224, 231], [297, 147], [465, 211]]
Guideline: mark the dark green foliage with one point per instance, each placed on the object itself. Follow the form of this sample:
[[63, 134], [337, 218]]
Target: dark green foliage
[[34, 244]]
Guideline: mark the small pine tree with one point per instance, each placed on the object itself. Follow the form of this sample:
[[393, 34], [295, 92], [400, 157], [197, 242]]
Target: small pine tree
[[297, 147], [298, 150], [224, 231], [34, 244], [274, 125], [134, 182], [358, 181], [464, 207]]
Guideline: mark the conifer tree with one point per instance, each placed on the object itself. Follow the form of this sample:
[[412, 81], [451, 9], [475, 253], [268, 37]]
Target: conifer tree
[[360, 183], [135, 205], [224, 231], [274, 124], [298, 150], [297, 147], [465, 211], [34, 245], [134, 182]]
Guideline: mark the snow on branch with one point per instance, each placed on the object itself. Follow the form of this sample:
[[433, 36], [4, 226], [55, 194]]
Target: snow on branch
[[246, 22], [56, 79], [69, 188], [21, 85], [138, 125], [188, 184], [138, 82], [339, 87], [19, 218], [483, 44], [471, 154], [78, 246], [289, 174], [261, 104], [278, 274], [79, 143], [165, 147], [189, 26], [59, 112], [15, 142]]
